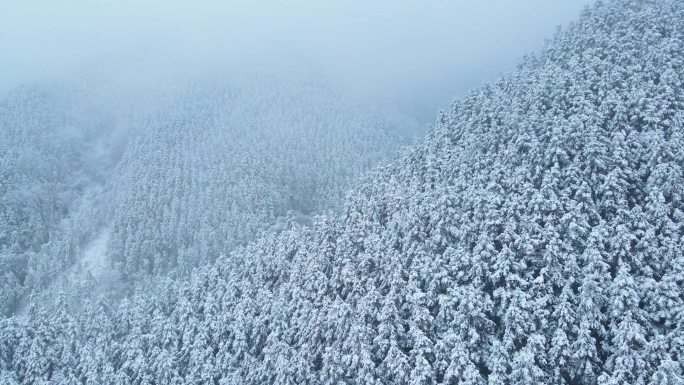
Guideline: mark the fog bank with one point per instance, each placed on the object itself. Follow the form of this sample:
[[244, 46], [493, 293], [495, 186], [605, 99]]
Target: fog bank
[[410, 55]]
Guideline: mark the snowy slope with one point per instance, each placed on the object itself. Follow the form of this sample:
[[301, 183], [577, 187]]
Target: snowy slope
[[535, 236]]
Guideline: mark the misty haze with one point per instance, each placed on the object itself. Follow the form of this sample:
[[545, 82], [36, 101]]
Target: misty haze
[[342, 192]]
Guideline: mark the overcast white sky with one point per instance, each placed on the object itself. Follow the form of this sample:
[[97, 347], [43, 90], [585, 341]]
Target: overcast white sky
[[416, 55]]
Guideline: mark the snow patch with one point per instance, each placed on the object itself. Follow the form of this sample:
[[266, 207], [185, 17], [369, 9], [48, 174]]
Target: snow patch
[[94, 258]]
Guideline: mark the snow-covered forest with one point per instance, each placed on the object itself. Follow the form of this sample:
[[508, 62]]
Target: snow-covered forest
[[221, 161], [268, 229]]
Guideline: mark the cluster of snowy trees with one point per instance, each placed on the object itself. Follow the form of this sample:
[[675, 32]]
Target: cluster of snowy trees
[[227, 159], [535, 236], [174, 182], [46, 166]]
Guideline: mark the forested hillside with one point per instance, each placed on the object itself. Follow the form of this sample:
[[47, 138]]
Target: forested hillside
[[228, 158], [534, 236], [50, 156], [168, 184]]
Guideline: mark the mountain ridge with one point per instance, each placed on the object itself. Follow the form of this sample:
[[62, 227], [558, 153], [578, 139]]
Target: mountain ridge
[[534, 236]]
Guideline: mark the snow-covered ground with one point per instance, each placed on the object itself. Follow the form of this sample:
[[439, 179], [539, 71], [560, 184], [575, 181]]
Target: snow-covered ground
[[94, 256], [94, 264]]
